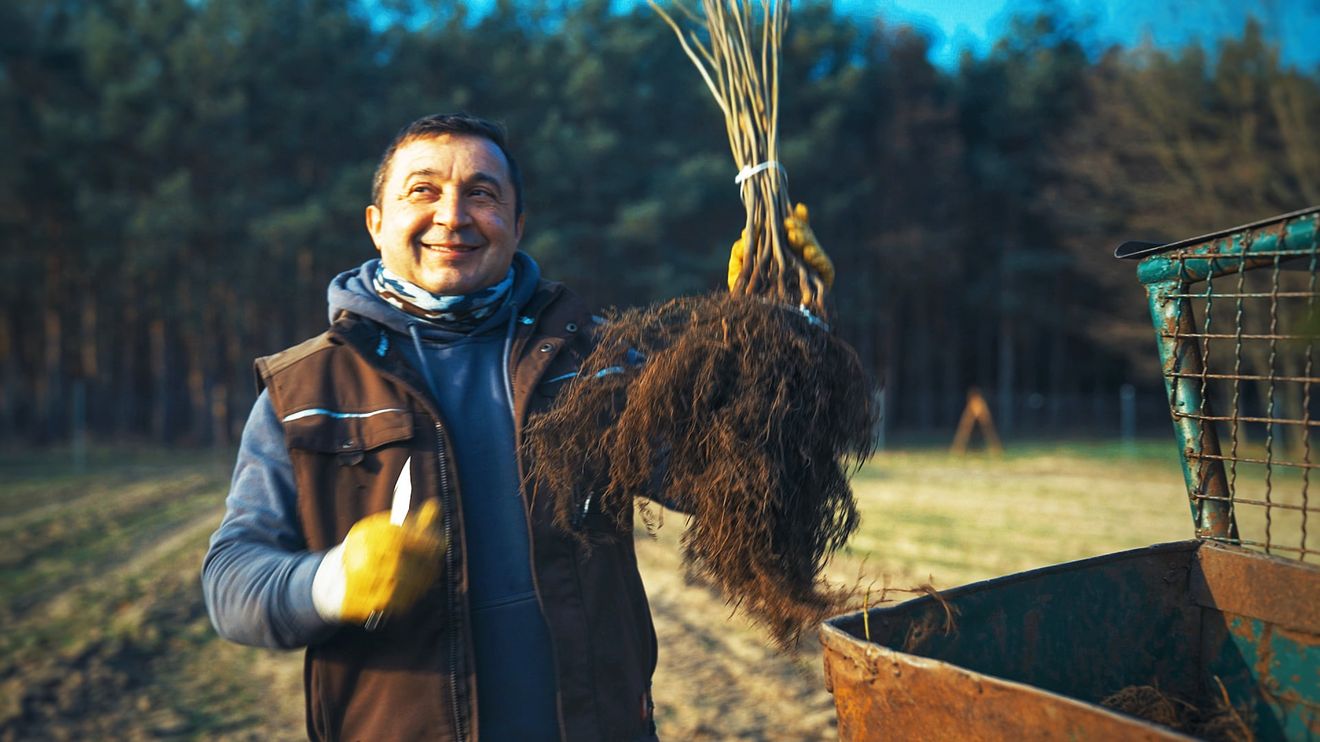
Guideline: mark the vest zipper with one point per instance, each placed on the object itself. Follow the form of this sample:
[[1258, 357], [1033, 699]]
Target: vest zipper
[[455, 639], [447, 501], [527, 518]]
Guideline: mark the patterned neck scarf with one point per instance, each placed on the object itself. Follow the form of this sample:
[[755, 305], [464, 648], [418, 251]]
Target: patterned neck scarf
[[461, 313]]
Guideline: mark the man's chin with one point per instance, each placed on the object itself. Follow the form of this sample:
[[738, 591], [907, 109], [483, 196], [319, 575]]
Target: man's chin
[[452, 283], [453, 280]]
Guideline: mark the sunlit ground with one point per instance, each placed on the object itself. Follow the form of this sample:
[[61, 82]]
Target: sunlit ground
[[106, 635]]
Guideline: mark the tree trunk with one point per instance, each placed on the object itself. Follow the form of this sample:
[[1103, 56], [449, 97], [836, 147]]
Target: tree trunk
[[8, 380], [888, 366], [1007, 376], [303, 291], [88, 347], [1057, 382], [1029, 357], [160, 383], [52, 378], [195, 359], [236, 372], [199, 393], [220, 415], [126, 382], [950, 392], [921, 371]]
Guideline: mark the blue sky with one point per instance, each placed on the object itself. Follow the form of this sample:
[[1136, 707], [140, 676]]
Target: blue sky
[[957, 24]]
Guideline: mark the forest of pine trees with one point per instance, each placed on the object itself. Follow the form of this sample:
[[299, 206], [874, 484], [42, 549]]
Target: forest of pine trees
[[181, 179]]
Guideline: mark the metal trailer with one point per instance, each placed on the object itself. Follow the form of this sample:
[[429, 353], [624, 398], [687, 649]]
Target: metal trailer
[[1229, 619]]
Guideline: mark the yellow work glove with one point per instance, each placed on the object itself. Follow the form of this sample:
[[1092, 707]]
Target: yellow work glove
[[803, 242], [380, 568], [736, 257]]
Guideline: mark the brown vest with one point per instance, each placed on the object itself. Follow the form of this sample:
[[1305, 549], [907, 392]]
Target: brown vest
[[412, 677]]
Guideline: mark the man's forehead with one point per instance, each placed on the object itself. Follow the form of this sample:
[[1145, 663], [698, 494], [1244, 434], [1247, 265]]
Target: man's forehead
[[434, 154]]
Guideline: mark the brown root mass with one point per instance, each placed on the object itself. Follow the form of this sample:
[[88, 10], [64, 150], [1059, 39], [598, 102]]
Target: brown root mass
[[744, 415], [1149, 703], [920, 632], [1222, 723]]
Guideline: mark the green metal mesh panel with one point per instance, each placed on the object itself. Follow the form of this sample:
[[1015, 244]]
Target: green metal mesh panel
[[1237, 320]]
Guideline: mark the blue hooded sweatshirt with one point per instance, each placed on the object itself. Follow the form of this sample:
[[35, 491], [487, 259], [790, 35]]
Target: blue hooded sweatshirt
[[257, 574]]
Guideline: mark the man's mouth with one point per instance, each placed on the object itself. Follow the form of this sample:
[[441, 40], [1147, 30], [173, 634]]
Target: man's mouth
[[452, 247]]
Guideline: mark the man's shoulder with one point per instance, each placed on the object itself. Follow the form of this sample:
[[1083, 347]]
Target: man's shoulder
[[558, 299], [547, 289], [270, 365]]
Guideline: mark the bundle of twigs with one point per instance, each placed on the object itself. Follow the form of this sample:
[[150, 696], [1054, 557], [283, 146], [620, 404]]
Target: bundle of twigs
[[739, 61], [741, 409]]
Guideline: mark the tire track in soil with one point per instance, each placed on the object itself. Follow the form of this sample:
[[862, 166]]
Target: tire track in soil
[[58, 524], [67, 602], [97, 549], [21, 497], [110, 682]]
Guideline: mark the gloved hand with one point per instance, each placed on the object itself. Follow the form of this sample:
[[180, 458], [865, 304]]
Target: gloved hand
[[801, 240], [804, 243], [380, 568], [736, 257]]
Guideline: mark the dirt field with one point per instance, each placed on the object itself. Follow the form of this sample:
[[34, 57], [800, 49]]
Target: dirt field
[[106, 635]]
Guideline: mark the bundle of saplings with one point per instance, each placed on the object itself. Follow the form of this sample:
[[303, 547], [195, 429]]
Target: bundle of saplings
[[741, 409]]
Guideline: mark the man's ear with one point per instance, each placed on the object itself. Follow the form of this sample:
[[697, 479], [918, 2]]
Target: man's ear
[[373, 223], [518, 227]]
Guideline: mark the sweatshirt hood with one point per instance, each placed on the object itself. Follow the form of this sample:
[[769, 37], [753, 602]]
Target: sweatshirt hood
[[354, 291]]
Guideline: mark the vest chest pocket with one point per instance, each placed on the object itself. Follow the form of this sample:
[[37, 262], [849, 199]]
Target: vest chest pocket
[[347, 435], [561, 372]]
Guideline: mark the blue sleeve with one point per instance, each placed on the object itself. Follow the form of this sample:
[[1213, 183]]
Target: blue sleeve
[[257, 575]]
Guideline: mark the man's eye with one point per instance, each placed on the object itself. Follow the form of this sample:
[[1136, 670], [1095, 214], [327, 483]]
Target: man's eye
[[482, 193]]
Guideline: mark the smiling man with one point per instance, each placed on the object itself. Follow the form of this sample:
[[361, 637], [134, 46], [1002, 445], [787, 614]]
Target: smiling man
[[447, 213], [378, 515]]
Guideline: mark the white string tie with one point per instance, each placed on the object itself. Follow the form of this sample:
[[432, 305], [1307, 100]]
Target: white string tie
[[750, 170], [812, 318]]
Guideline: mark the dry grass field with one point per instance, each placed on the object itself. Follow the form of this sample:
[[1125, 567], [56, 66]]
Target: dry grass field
[[952, 520], [106, 636]]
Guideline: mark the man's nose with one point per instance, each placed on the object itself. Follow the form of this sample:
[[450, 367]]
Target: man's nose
[[450, 211]]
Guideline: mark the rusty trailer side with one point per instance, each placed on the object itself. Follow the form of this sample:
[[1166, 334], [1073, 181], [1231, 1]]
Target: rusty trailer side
[[1030, 655]]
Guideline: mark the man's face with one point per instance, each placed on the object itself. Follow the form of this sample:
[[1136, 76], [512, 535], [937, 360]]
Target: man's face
[[447, 220]]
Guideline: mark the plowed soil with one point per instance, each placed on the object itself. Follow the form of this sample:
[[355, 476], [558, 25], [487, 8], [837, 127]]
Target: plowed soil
[[106, 635]]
